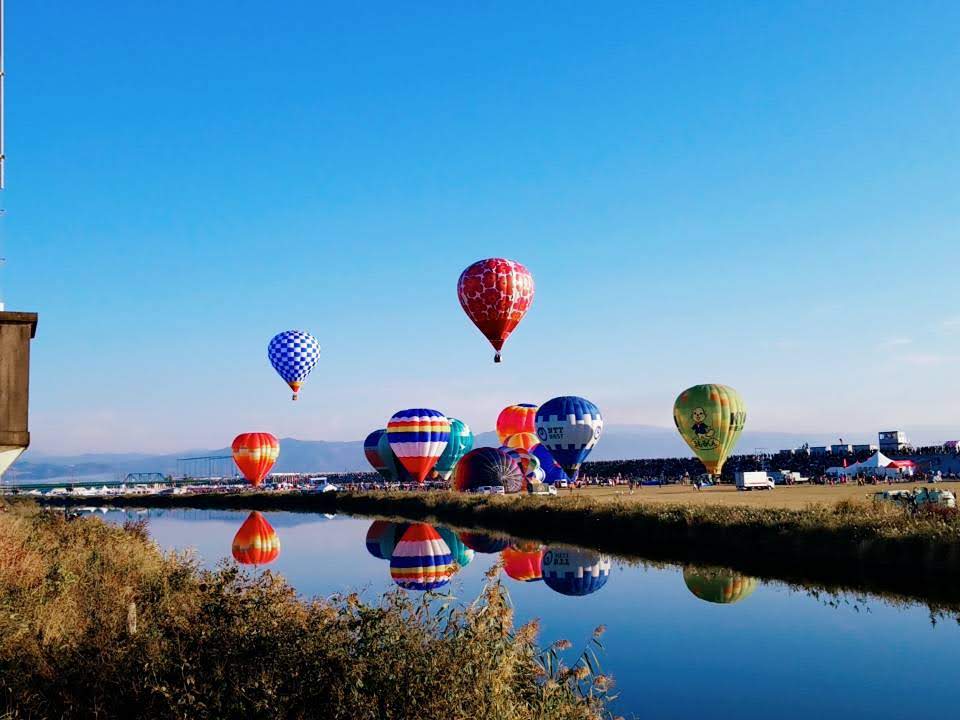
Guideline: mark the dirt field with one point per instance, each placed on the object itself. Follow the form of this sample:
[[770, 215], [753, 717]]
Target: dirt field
[[787, 496]]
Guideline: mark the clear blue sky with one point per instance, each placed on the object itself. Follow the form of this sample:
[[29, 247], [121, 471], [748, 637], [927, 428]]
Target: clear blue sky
[[761, 194]]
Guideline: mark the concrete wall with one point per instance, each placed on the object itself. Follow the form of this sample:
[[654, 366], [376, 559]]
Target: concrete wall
[[16, 331]]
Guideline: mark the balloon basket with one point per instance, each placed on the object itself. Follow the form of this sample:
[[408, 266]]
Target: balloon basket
[[294, 397], [496, 358]]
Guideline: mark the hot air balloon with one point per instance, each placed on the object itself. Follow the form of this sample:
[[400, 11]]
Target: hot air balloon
[[395, 471], [293, 354], [523, 565], [531, 443], [528, 462], [421, 560], [255, 453], [569, 427], [483, 543], [418, 438], [488, 467], [496, 294], [460, 443], [516, 419], [575, 572], [710, 418], [718, 586], [256, 542], [371, 449], [461, 553]]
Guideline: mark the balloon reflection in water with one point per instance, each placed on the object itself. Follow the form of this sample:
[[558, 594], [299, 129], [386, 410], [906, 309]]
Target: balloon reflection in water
[[461, 554], [522, 563], [718, 586], [575, 572], [482, 543], [256, 542], [382, 537], [421, 560]]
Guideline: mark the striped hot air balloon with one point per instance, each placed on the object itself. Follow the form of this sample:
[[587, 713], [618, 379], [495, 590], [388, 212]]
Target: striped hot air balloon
[[418, 438], [293, 354], [569, 427], [255, 454], [461, 442], [421, 560], [256, 542], [516, 419], [371, 449]]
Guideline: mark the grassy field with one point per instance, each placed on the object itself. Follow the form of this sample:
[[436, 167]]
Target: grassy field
[[793, 497]]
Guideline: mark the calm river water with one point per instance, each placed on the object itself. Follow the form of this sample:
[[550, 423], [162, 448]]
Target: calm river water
[[679, 644]]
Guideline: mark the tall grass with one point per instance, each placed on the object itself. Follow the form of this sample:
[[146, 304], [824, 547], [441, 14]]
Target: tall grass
[[95, 621]]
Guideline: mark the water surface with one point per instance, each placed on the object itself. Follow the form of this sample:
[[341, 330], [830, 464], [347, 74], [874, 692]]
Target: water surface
[[745, 648]]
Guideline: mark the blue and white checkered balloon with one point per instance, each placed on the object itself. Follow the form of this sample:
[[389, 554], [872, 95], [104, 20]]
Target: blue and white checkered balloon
[[293, 354]]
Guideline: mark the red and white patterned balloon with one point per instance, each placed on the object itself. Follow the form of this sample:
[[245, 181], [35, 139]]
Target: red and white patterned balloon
[[496, 293]]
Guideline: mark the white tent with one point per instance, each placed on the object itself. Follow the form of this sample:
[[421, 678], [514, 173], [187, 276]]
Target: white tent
[[878, 465]]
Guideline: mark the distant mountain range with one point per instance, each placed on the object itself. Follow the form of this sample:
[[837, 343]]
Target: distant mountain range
[[619, 442]]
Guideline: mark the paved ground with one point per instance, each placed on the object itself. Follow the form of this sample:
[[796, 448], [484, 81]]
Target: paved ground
[[788, 496]]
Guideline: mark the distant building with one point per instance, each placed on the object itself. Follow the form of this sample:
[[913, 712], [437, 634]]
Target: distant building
[[893, 441], [841, 449], [819, 450], [952, 445], [869, 447]]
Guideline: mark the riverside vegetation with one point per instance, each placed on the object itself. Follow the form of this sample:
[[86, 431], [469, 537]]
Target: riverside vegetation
[[97, 621]]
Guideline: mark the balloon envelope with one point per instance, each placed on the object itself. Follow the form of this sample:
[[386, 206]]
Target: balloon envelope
[[255, 454], [569, 427], [256, 542], [371, 449], [551, 468], [293, 354], [516, 419], [418, 438], [395, 471], [495, 294], [421, 560], [719, 586], [575, 572], [488, 467], [710, 419], [460, 443]]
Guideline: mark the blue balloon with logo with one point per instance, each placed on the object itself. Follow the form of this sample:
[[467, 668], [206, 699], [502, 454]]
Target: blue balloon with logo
[[551, 468], [569, 427]]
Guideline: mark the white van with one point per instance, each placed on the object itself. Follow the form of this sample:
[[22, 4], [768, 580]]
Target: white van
[[754, 480]]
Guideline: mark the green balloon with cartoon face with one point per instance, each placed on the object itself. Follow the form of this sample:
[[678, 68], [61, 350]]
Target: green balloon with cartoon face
[[710, 419]]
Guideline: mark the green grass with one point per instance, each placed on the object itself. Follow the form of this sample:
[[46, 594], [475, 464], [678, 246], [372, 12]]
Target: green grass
[[96, 621]]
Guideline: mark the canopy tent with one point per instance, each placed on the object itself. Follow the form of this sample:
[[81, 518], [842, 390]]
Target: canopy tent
[[878, 465]]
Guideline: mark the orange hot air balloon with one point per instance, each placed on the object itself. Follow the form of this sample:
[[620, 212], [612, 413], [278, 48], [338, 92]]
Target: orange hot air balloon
[[516, 419], [255, 453], [256, 542], [522, 441]]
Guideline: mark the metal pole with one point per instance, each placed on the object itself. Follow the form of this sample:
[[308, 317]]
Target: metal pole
[[3, 152]]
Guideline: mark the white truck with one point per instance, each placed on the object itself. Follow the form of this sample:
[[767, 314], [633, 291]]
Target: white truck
[[757, 479]]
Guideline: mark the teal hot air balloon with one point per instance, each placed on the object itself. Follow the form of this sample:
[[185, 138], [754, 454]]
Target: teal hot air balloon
[[460, 443], [395, 472]]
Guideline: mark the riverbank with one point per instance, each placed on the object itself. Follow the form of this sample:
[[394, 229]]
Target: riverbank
[[96, 621], [848, 545]]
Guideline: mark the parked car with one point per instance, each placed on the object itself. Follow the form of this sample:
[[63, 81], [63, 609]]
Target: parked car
[[541, 489], [561, 484], [489, 490]]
